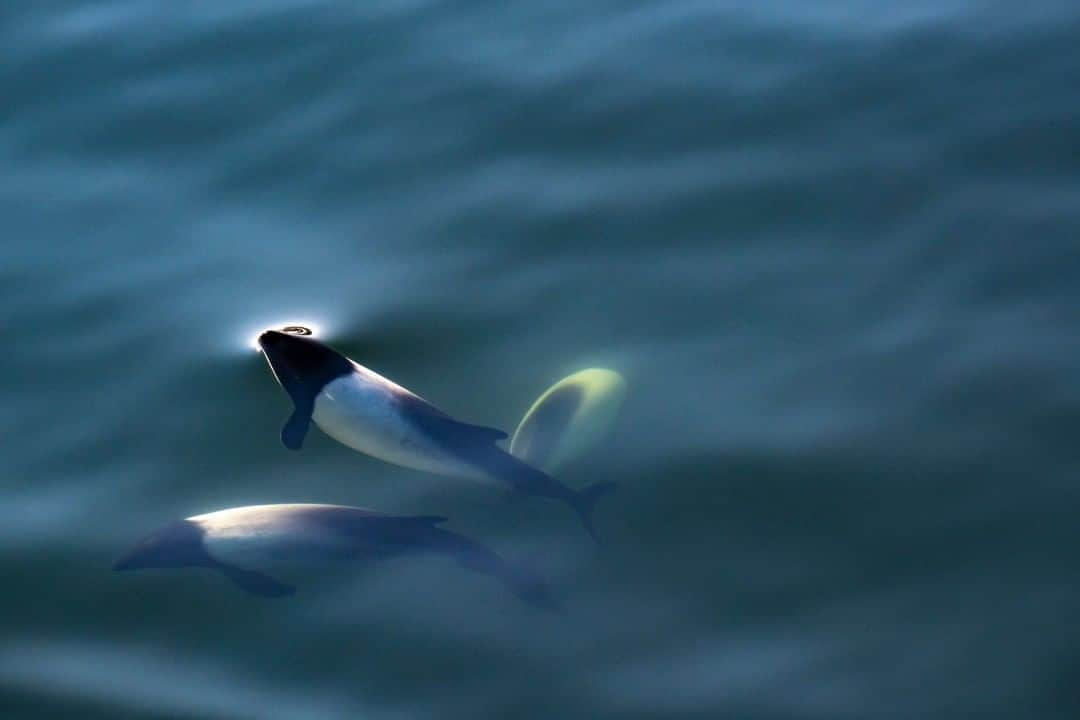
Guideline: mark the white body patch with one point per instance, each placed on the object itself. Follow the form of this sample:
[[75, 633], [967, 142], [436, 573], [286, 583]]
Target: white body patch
[[261, 536], [360, 410]]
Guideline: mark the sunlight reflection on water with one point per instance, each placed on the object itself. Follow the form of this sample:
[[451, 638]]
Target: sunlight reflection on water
[[299, 327]]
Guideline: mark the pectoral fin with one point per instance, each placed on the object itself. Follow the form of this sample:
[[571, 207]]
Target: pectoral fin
[[295, 428], [257, 583]]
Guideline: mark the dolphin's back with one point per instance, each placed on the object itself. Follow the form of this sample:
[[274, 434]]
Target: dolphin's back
[[379, 418], [269, 535]]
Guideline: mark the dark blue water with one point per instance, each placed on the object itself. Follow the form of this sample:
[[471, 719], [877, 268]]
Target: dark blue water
[[833, 247]]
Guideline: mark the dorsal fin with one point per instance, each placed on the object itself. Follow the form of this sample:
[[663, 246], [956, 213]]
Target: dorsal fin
[[444, 429]]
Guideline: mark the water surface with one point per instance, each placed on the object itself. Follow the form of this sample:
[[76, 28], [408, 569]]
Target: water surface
[[834, 248]]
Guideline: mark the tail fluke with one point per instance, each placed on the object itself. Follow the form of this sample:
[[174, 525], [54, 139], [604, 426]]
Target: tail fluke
[[524, 478], [531, 588], [584, 501], [521, 581]]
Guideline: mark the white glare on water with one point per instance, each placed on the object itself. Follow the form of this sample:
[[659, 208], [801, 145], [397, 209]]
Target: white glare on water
[[253, 339]]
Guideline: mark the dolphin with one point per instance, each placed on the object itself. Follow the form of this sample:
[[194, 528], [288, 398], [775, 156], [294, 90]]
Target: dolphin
[[243, 542], [369, 413], [568, 418]]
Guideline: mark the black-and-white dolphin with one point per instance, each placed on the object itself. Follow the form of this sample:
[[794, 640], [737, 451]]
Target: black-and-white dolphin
[[245, 543], [375, 416]]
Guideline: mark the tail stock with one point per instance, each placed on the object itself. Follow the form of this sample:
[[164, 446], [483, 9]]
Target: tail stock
[[584, 501]]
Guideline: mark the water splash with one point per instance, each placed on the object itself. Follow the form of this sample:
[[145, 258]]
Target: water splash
[[296, 327]]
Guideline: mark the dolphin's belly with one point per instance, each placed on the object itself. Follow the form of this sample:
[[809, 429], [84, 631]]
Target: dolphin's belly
[[360, 411]]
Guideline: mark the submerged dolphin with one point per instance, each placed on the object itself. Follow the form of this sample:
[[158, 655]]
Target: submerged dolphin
[[243, 542], [568, 418], [369, 413]]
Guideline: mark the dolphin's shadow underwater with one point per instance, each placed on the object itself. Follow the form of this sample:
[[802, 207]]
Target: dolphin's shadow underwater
[[243, 542], [375, 416]]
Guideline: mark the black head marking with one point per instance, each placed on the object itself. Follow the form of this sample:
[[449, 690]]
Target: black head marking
[[303, 366], [179, 544], [303, 361]]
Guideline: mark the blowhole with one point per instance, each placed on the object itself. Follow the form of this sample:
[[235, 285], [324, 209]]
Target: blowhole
[[293, 328]]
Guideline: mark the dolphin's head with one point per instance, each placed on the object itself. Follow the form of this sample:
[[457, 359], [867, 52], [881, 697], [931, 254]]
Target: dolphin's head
[[297, 358], [179, 544]]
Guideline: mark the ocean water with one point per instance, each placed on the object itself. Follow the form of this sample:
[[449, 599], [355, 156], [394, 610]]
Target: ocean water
[[833, 247]]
